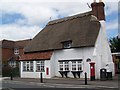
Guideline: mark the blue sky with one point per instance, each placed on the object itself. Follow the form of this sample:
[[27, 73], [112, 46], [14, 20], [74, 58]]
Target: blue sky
[[24, 20]]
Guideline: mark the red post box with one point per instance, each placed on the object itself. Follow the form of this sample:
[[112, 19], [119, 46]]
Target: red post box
[[92, 71], [47, 71]]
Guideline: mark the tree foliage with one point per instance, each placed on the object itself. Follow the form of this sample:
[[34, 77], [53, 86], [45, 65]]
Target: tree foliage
[[115, 44]]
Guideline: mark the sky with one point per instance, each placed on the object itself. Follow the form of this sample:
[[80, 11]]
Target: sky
[[24, 19]]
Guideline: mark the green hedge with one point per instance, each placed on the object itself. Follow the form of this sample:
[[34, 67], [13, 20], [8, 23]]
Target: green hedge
[[6, 71]]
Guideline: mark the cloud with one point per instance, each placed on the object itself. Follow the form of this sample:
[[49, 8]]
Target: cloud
[[111, 7], [37, 13], [36, 16], [40, 13], [16, 32], [113, 25]]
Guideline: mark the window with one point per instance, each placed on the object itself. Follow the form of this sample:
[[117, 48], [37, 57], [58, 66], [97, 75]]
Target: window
[[79, 65], [73, 65], [28, 66], [66, 64], [40, 66], [16, 51], [61, 66], [24, 66], [12, 64], [67, 44]]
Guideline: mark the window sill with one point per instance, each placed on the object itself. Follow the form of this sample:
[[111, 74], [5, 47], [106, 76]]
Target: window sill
[[39, 71], [64, 71], [77, 71], [28, 71]]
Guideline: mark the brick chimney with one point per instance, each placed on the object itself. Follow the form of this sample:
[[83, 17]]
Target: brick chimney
[[98, 9]]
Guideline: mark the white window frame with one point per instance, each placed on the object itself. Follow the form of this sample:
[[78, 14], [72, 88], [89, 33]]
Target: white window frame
[[61, 64], [79, 65], [40, 66], [67, 44], [75, 65], [28, 66], [16, 51], [66, 65], [74, 68]]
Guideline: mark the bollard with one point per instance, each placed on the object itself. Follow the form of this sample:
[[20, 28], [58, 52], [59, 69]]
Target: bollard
[[85, 78], [41, 78], [11, 76]]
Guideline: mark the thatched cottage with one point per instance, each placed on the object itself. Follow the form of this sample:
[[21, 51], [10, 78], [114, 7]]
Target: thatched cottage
[[69, 47]]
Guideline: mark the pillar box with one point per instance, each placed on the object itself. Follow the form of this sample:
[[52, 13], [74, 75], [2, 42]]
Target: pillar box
[[92, 71]]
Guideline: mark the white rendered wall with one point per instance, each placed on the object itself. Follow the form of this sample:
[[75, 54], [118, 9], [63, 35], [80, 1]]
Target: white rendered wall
[[34, 74], [69, 54], [103, 53]]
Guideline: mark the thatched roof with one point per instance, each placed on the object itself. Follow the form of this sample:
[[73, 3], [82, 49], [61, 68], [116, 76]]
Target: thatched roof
[[81, 29], [7, 44], [14, 44], [21, 43]]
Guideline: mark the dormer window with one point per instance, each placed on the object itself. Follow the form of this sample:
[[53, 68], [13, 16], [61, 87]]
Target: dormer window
[[67, 44]]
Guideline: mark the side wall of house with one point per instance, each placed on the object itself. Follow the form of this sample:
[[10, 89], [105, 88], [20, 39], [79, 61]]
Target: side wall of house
[[102, 52]]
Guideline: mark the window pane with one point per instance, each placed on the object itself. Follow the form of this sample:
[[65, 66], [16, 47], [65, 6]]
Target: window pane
[[67, 44], [16, 51], [74, 65], [28, 66], [61, 66], [66, 66], [79, 65], [24, 66], [40, 66]]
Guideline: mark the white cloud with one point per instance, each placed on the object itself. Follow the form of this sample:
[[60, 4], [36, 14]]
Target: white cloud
[[111, 7], [15, 32], [37, 12], [113, 25]]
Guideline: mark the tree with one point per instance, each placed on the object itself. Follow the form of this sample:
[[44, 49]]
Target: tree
[[115, 44]]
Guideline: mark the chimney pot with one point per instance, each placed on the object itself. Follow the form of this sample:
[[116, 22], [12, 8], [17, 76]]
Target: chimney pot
[[98, 10]]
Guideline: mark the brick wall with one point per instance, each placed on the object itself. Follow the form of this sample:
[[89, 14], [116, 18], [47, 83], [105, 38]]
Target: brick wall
[[6, 54]]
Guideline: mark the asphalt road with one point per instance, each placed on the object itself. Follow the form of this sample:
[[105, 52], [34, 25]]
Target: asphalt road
[[32, 86]]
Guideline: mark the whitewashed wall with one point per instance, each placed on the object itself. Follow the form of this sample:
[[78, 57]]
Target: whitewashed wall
[[102, 51], [69, 54]]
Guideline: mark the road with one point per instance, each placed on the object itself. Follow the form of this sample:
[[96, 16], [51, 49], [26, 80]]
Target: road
[[7, 85]]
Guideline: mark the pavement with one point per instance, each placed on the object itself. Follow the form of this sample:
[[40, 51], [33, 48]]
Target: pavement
[[66, 82]]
